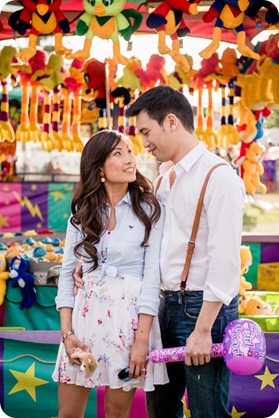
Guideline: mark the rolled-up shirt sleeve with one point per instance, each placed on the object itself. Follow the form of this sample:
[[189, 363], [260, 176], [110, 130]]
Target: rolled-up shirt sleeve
[[65, 295], [225, 207], [148, 301]]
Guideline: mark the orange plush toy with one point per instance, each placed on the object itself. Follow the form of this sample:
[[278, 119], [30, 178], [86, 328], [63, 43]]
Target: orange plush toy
[[253, 168], [229, 14], [42, 17]]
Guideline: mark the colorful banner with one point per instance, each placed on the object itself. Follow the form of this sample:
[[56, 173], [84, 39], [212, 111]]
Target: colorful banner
[[27, 206], [27, 389]]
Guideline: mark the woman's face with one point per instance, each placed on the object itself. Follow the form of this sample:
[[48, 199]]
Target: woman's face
[[120, 166]]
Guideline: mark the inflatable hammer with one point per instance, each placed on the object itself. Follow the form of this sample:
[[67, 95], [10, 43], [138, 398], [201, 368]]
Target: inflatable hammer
[[243, 349]]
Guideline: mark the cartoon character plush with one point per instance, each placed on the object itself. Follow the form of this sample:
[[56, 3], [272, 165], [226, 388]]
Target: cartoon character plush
[[106, 20], [254, 305], [253, 168], [24, 280], [167, 19], [245, 263], [42, 17], [229, 14], [4, 275], [88, 362]]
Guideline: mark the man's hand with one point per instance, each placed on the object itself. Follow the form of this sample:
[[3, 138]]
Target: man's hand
[[198, 348], [77, 275]]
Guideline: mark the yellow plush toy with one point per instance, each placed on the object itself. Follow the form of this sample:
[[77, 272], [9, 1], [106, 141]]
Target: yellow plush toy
[[253, 168], [88, 362], [245, 263], [254, 305], [4, 275]]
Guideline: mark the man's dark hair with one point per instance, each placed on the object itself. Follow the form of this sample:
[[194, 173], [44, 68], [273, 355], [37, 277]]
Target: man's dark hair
[[159, 101]]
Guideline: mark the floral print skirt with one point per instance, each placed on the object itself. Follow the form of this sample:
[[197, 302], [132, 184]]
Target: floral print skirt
[[105, 318]]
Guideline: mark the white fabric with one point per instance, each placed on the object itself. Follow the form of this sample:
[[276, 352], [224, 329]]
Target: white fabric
[[105, 318], [215, 265]]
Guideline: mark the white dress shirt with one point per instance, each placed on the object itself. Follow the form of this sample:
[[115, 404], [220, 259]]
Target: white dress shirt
[[120, 252], [215, 265]]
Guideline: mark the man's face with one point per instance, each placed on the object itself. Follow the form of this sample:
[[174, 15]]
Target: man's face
[[155, 137]]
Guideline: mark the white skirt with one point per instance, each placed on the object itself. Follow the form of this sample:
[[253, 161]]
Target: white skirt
[[105, 318]]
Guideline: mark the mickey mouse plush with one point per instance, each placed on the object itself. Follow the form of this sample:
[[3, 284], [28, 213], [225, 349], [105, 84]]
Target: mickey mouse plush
[[41, 16], [20, 277]]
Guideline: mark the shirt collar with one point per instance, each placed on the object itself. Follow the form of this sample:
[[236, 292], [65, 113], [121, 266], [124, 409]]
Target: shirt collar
[[186, 162], [190, 159]]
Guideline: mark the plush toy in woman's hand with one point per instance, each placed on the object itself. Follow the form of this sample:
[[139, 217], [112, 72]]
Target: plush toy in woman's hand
[[88, 362], [24, 280]]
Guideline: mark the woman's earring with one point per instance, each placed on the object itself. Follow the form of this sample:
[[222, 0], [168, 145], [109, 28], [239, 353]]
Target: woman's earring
[[103, 179]]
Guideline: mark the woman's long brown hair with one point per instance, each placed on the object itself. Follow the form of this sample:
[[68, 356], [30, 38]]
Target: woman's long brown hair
[[89, 203]]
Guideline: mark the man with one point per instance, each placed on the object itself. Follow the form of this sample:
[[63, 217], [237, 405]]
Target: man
[[164, 118], [198, 316]]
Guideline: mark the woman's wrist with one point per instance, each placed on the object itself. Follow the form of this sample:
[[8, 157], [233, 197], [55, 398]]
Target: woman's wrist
[[66, 334]]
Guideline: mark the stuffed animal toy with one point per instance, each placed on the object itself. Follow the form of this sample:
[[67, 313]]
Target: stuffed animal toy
[[254, 305], [4, 276], [229, 14], [24, 280], [6, 58], [167, 19], [95, 83], [88, 362], [245, 263], [42, 17], [253, 168], [154, 74], [106, 20]]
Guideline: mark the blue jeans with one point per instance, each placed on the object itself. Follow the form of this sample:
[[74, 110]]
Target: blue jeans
[[207, 385]]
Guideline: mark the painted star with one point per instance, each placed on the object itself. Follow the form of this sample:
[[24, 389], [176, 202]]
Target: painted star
[[58, 194], [236, 414], [27, 381], [3, 221], [267, 378]]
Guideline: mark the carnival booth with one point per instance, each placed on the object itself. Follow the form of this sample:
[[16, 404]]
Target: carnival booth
[[62, 95]]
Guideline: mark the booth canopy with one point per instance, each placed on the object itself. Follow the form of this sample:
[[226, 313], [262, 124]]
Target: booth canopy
[[74, 8]]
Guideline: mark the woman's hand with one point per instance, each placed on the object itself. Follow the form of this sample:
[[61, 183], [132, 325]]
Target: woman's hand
[[138, 361], [71, 343]]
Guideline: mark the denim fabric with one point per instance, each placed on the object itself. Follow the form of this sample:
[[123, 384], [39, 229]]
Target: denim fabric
[[207, 385]]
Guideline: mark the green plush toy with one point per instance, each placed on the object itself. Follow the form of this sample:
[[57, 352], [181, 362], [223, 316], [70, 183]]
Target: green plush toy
[[106, 20]]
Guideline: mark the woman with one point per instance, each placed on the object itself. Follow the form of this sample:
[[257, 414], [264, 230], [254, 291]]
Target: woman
[[115, 229]]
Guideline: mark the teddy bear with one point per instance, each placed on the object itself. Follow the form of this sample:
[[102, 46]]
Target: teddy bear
[[4, 275], [88, 362], [253, 168], [245, 263], [254, 305], [24, 280]]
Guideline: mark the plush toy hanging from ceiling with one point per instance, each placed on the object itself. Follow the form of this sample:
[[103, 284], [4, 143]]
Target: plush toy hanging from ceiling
[[106, 20], [95, 79], [179, 78], [42, 17], [204, 79], [271, 15], [229, 14], [167, 19], [7, 55], [227, 72]]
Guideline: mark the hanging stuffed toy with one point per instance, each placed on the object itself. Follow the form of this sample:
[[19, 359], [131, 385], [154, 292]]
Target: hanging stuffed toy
[[4, 276], [95, 79], [229, 14], [6, 58], [167, 19], [24, 280], [253, 168], [42, 17], [106, 20]]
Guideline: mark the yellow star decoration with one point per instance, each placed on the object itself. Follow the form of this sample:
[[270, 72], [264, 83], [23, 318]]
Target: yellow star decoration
[[7, 202], [65, 215], [34, 187], [57, 194], [6, 188], [3, 221], [236, 414], [27, 381], [267, 378]]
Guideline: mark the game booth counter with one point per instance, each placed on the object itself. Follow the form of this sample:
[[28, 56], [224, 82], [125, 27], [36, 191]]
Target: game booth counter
[[29, 340]]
